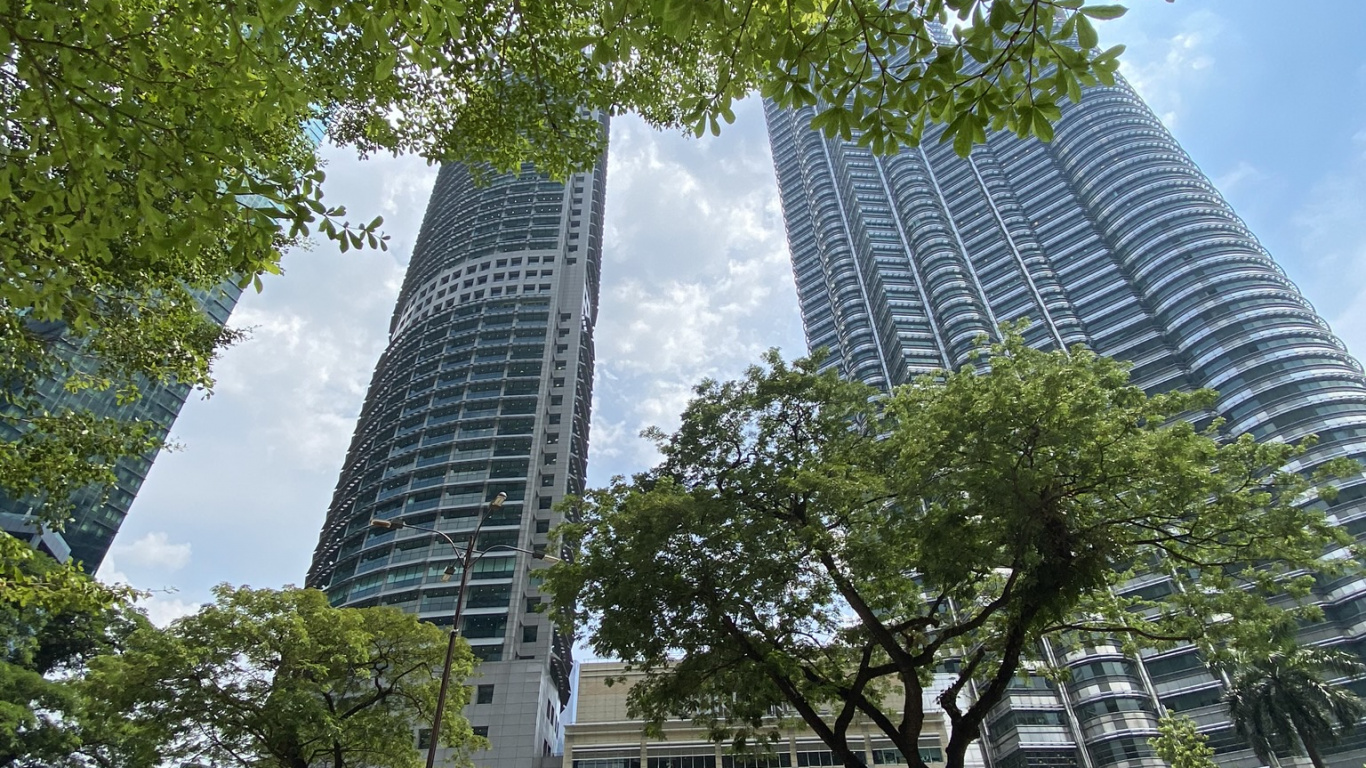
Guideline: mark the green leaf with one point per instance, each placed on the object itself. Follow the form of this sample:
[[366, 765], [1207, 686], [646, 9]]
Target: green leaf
[[1104, 11], [1086, 34], [1041, 126]]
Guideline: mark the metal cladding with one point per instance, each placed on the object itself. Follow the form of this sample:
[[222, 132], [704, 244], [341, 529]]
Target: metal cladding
[[485, 388], [1111, 237]]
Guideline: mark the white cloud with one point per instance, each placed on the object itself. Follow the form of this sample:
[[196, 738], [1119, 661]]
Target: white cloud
[[163, 610], [1230, 182], [154, 550], [1332, 227], [305, 371], [317, 332], [1167, 70], [261, 457], [160, 606], [696, 281]]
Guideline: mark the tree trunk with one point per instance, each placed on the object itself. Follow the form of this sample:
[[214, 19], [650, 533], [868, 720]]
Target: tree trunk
[[1311, 749]]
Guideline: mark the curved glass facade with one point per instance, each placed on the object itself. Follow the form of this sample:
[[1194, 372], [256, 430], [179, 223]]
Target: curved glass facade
[[485, 388], [1109, 236]]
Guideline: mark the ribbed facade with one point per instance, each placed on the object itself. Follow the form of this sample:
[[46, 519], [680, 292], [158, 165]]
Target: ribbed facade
[[485, 388], [1108, 236], [98, 512]]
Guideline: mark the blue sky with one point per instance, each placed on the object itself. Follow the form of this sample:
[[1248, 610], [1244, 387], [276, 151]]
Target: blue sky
[[1270, 103]]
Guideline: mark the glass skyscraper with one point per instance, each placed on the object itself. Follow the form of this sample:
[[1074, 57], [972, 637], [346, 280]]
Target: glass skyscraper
[[98, 512], [1108, 236], [485, 388]]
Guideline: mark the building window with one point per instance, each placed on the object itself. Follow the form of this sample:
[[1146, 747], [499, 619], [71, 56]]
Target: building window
[[529, 634], [486, 652], [709, 761], [778, 760], [483, 694], [481, 731]]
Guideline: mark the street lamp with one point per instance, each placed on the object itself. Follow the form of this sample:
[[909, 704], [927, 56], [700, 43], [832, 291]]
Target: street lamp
[[468, 556]]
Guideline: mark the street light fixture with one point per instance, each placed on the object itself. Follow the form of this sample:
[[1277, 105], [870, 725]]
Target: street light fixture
[[468, 556]]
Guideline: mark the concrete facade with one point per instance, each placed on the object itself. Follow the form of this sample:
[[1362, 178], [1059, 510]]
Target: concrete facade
[[603, 735]]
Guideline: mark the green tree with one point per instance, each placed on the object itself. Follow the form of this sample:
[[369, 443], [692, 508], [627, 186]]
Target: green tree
[[1282, 701], [53, 620], [808, 543], [272, 678], [1181, 744]]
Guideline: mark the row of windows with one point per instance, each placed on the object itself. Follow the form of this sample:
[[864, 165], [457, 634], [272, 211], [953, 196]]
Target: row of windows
[[1012, 718], [410, 576], [1119, 750], [684, 761], [1102, 669], [1098, 708], [928, 755]]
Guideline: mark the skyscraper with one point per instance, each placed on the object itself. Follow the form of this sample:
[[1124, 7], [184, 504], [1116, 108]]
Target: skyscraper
[[1108, 236], [97, 513], [485, 388]]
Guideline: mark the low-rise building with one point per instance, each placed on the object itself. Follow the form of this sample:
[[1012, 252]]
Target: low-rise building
[[604, 736]]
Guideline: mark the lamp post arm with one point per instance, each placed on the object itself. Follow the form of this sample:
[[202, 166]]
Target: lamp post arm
[[510, 548], [440, 533]]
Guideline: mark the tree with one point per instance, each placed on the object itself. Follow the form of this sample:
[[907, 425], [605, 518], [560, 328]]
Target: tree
[[154, 148], [1181, 744], [809, 543], [272, 678], [1281, 701], [53, 620]]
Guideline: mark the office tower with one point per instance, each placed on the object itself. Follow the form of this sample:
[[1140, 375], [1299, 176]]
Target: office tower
[[1108, 236], [98, 512], [485, 388]]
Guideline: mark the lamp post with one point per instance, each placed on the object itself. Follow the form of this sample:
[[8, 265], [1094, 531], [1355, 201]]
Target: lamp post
[[468, 557]]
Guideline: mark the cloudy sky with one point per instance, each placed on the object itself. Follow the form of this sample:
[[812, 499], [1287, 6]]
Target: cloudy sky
[[696, 281]]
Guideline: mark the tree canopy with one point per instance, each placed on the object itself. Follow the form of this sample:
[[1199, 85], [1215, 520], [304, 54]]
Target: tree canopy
[[811, 543], [53, 620], [155, 148], [1180, 743], [272, 678], [1281, 699]]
